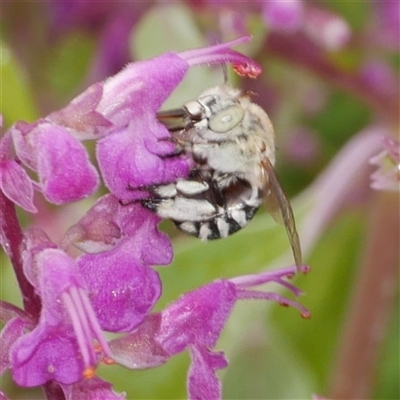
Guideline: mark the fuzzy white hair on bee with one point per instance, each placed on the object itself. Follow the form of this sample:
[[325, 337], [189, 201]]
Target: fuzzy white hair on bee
[[231, 141]]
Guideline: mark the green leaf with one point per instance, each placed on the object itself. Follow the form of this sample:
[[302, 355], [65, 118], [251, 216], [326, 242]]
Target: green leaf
[[327, 289]]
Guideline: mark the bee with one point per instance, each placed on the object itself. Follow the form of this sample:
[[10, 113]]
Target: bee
[[231, 143]]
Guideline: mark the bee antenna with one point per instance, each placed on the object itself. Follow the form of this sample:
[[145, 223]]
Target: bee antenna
[[225, 72]]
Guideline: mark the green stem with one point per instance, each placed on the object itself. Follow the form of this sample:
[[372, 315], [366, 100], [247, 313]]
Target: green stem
[[11, 239]]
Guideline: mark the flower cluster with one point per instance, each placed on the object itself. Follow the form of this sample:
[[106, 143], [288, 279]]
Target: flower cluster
[[71, 300]]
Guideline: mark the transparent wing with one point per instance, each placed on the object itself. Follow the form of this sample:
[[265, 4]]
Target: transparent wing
[[175, 119], [278, 206]]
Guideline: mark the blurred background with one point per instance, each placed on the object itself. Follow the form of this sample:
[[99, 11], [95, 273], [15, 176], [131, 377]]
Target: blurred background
[[330, 85]]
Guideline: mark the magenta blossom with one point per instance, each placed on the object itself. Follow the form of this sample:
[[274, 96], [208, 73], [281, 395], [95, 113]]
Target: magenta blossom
[[286, 16], [387, 176], [14, 181], [111, 290], [194, 322], [61, 162], [122, 286], [60, 344]]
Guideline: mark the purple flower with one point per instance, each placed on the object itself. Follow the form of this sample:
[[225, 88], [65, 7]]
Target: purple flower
[[326, 29], [122, 287], [386, 27], [121, 243], [60, 345], [285, 16], [379, 76], [194, 322], [14, 181], [387, 176], [61, 162]]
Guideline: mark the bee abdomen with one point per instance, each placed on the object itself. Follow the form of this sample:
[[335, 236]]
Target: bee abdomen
[[199, 207], [220, 226]]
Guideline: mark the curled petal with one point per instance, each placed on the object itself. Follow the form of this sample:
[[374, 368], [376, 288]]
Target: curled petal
[[24, 146], [35, 240], [197, 317], [140, 349], [16, 185], [387, 175], [108, 223], [98, 230], [14, 181], [80, 116], [61, 162], [63, 167], [202, 382], [9, 334]]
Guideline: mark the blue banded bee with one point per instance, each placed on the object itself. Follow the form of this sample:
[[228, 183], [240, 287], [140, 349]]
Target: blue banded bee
[[231, 142]]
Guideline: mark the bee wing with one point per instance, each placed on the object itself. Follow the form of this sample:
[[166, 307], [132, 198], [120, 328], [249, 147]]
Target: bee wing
[[174, 120], [278, 206]]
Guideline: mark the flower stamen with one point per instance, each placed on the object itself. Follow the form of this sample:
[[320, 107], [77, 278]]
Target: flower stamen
[[86, 329]]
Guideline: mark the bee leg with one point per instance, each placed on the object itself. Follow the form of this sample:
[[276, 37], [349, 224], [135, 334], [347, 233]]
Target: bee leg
[[145, 188], [152, 204]]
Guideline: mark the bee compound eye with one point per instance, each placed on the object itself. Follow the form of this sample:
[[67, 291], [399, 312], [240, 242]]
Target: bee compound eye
[[225, 120]]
